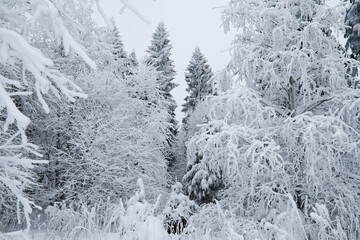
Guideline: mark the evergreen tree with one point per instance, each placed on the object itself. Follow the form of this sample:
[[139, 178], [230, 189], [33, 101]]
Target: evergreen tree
[[159, 57], [197, 77], [178, 210], [352, 22], [118, 46], [133, 59]]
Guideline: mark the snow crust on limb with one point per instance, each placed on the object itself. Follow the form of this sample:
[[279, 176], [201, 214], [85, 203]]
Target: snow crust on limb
[[129, 6], [23, 67]]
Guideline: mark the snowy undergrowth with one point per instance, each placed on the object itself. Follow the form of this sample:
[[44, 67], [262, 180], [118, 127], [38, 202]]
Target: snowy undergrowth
[[134, 220]]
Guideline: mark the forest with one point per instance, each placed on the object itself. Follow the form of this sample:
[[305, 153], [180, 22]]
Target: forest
[[268, 148]]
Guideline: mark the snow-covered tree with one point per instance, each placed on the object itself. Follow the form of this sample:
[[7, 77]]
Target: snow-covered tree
[[133, 59], [159, 53], [25, 71], [118, 46], [159, 57], [197, 76], [119, 135], [52, 132], [352, 23], [283, 137], [178, 210]]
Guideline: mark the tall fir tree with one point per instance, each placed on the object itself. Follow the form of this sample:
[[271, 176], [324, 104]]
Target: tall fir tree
[[133, 61], [197, 77], [118, 46], [159, 56]]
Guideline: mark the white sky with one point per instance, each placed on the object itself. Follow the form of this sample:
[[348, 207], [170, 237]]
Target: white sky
[[190, 23]]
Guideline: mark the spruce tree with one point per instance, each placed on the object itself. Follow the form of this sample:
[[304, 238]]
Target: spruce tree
[[118, 46], [159, 57], [197, 77], [352, 21], [133, 61]]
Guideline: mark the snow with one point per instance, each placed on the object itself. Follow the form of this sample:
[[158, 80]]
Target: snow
[[272, 150]]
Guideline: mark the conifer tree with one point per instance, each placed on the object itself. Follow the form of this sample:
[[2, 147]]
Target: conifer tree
[[118, 46], [133, 59], [159, 57], [352, 22], [197, 77], [178, 210]]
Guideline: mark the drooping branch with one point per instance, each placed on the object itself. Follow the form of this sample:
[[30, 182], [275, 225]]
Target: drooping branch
[[127, 5]]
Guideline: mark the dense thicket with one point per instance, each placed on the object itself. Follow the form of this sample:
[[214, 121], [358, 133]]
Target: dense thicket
[[26, 71], [280, 146], [271, 142], [96, 148]]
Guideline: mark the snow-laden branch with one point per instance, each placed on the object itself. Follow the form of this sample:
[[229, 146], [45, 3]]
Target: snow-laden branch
[[127, 5], [103, 15], [23, 68], [47, 8], [38, 65], [13, 112]]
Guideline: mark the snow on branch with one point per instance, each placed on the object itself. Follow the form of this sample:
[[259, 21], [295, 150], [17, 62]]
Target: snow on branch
[[46, 8], [13, 112], [127, 5], [38, 65], [103, 15], [18, 56]]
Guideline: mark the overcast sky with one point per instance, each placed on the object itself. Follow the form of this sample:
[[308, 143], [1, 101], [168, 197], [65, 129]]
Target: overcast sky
[[190, 23]]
